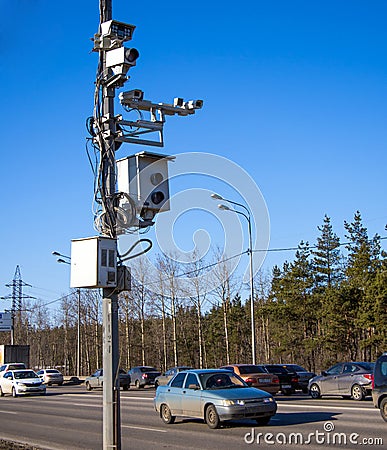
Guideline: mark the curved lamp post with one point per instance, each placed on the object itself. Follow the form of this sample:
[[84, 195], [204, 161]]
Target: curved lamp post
[[250, 252], [67, 261]]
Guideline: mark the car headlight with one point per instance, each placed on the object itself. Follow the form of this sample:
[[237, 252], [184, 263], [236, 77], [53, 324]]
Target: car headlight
[[233, 402], [268, 400]]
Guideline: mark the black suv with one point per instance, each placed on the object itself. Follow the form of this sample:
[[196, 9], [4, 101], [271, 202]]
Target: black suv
[[379, 385], [303, 376], [142, 376], [288, 378]]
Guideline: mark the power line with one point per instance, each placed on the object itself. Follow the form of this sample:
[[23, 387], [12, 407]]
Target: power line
[[286, 249]]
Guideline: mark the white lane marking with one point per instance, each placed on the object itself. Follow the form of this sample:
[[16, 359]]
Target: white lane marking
[[143, 428], [8, 412], [122, 397], [87, 405], [339, 408]]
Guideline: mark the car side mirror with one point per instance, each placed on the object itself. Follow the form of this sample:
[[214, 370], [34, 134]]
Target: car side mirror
[[249, 383], [323, 373], [195, 387]]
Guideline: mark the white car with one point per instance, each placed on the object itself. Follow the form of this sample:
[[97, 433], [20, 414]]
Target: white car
[[51, 376], [11, 366], [21, 382]]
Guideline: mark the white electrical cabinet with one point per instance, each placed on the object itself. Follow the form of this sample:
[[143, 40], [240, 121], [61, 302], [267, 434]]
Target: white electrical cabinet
[[94, 262]]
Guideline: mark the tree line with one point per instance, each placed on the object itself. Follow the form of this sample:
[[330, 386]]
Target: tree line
[[328, 304]]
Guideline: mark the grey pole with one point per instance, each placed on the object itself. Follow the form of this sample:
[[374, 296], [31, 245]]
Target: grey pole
[[110, 341], [79, 334], [251, 292], [250, 251]]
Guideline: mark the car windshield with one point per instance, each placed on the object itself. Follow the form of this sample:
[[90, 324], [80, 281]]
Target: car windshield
[[24, 374], [52, 371], [251, 369], [295, 367], [148, 369], [221, 380], [276, 369], [16, 366]]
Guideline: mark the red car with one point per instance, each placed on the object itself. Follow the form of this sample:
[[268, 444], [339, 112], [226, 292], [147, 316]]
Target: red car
[[257, 376]]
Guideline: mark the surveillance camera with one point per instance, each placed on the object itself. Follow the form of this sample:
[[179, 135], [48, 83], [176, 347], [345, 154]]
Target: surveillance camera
[[134, 94], [120, 30], [177, 101], [121, 56], [121, 59], [194, 104]]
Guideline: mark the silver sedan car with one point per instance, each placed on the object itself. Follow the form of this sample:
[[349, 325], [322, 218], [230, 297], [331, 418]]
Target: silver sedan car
[[96, 380], [164, 378], [350, 379], [214, 395], [51, 376]]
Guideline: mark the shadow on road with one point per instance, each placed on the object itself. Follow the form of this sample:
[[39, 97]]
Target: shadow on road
[[279, 420], [302, 397], [284, 419]]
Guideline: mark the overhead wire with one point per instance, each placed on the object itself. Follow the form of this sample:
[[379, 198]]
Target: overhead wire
[[236, 256]]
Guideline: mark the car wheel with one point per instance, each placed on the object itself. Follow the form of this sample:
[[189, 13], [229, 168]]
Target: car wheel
[[383, 409], [263, 420], [138, 386], [60, 384], [315, 391], [304, 390], [166, 415], [1, 392], [357, 392], [156, 384], [212, 417], [88, 387], [14, 393], [125, 387]]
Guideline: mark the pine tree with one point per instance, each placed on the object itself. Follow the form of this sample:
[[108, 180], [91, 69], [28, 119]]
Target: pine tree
[[363, 264], [326, 259]]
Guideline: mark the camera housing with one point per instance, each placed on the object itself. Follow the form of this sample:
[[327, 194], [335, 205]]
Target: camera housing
[[121, 59], [118, 30]]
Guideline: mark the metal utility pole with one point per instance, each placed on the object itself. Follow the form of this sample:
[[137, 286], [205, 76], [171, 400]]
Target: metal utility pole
[[110, 344], [17, 297], [67, 261], [78, 332], [108, 133], [247, 216]]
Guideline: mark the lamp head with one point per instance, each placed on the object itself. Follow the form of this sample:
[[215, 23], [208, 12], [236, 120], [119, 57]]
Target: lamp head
[[216, 197], [60, 260]]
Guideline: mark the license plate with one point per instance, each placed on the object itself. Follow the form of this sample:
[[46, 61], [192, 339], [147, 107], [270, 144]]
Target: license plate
[[264, 380], [286, 386]]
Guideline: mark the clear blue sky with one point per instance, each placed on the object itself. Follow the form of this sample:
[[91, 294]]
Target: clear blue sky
[[294, 92]]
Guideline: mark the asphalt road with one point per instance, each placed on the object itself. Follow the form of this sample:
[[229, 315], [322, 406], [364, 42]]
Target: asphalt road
[[69, 417]]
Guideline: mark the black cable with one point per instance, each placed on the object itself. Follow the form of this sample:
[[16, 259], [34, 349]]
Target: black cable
[[148, 241]]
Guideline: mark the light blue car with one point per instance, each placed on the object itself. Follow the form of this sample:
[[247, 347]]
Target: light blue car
[[214, 395]]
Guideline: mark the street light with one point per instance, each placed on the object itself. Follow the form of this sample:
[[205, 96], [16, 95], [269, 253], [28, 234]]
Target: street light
[[67, 261], [250, 252]]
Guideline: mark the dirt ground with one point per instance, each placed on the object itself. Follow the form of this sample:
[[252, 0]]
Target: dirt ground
[[7, 445]]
